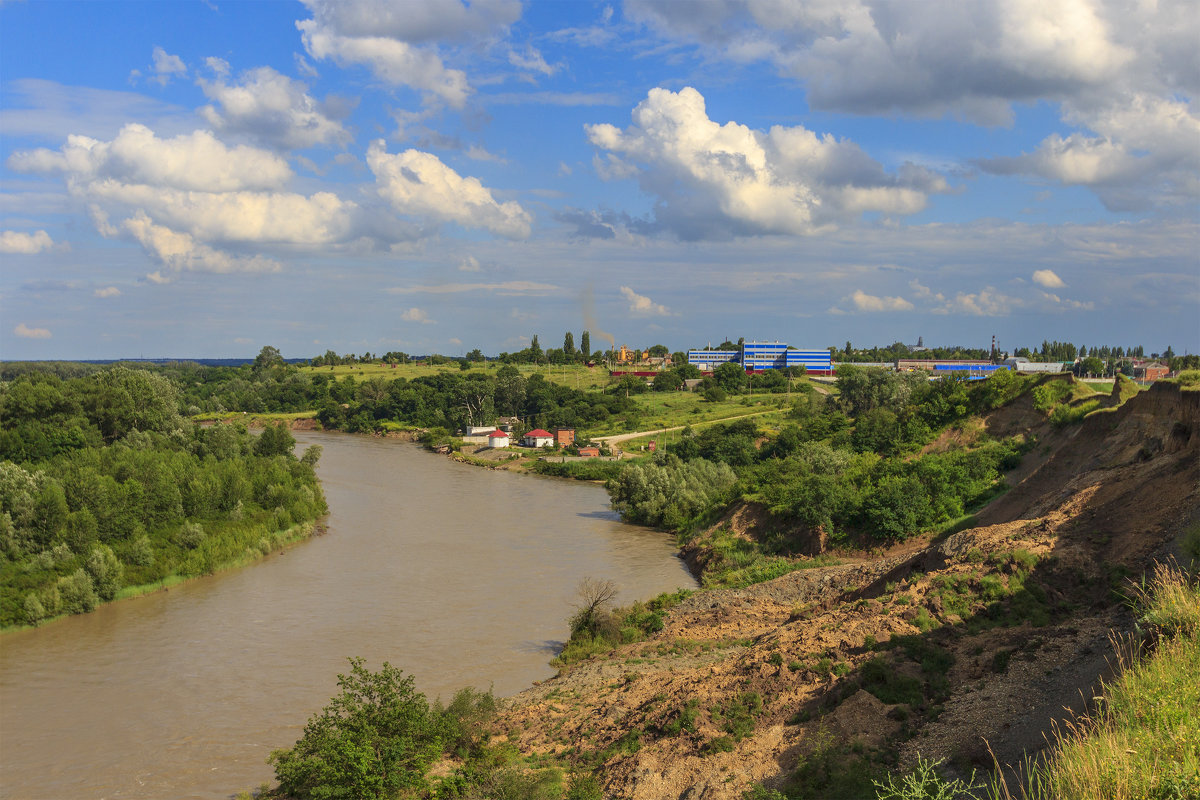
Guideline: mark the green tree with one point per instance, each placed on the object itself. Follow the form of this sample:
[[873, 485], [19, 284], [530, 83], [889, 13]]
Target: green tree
[[658, 350], [375, 739], [275, 440], [569, 344], [730, 377], [267, 358], [535, 350], [106, 571], [585, 344]]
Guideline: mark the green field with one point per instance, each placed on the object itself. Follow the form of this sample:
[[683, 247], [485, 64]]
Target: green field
[[576, 376]]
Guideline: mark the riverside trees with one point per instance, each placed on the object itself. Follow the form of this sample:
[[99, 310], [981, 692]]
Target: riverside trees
[[103, 484]]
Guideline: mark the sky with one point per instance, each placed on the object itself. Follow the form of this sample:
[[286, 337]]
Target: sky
[[184, 179]]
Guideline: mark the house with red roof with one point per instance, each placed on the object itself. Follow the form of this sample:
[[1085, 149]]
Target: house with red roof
[[538, 438], [498, 438]]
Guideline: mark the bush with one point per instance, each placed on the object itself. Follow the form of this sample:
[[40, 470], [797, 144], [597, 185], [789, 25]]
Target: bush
[[373, 740], [924, 783], [106, 571], [191, 535]]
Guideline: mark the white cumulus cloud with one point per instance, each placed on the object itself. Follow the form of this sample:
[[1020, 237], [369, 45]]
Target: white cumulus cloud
[[26, 332], [1123, 75], [25, 243], [416, 315], [166, 66], [642, 305], [713, 180], [419, 184], [270, 107], [865, 302], [107, 291], [179, 252], [195, 162], [400, 42], [1048, 279]]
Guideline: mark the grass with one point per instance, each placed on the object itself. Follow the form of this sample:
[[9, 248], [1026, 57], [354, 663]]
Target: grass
[[574, 375], [657, 410], [1189, 380], [736, 562], [1143, 740]]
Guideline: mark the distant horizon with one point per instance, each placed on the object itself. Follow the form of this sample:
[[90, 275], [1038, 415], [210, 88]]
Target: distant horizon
[[341, 176]]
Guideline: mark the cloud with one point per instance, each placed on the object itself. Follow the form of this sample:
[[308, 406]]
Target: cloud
[[416, 315], [1123, 75], [193, 162], [399, 42], [419, 184], [1144, 155], [985, 303], [469, 264], [1047, 278], [193, 183], [866, 302], [166, 67], [642, 305], [530, 60], [108, 291], [25, 332], [179, 252], [713, 180], [25, 243], [506, 288], [272, 108]]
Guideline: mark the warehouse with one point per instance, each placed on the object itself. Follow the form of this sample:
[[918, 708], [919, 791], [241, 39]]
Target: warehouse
[[757, 356]]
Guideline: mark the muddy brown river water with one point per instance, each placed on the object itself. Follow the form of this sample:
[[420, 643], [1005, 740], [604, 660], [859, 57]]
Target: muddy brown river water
[[458, 575]]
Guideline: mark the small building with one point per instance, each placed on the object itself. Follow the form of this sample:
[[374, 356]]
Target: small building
[[478, 430], [498, 438], [1151, 371], [538, 438], [564, 437], [589, 452], [507, 424]]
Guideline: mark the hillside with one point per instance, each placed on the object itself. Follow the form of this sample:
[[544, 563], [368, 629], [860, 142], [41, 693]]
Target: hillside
[[816, 681]]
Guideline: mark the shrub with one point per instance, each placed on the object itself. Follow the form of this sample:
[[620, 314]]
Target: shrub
[[106, 571], [78, 595], [373, 740], [924, 783], [190, 536]]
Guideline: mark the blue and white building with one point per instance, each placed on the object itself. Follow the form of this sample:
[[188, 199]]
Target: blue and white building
[[763, 355]]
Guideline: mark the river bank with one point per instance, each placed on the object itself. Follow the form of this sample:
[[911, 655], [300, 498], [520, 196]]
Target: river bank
[[459, 576]]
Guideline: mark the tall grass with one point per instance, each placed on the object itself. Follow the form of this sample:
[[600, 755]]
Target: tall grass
[[1143, 740]]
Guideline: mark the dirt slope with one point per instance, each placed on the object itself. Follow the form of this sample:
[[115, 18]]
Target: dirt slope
[[997, 629]]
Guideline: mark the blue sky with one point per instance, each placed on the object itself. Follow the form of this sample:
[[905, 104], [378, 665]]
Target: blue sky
[[202, 179]]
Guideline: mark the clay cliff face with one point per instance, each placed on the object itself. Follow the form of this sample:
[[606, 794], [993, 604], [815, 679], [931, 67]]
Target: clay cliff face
[[943, 648]]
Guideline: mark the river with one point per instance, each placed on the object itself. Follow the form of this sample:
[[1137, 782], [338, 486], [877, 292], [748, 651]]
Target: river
[[458, 575]]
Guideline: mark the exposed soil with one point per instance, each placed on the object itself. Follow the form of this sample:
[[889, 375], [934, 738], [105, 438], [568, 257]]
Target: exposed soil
[[1093, 503]]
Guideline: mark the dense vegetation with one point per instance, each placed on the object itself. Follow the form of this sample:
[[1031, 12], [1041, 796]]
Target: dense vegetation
[[845, 465], [103, 485]]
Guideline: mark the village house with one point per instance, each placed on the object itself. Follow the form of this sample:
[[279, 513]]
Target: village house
[[564, 437], [538, 438], [589, 452], [498, 438]]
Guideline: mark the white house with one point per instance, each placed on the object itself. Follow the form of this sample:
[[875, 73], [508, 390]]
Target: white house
[[498, 438], [538, 438]]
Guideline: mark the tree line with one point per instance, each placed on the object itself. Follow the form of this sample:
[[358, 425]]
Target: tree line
[[848, 466], [104, 484]]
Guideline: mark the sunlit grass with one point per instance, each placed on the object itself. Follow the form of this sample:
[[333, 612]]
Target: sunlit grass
[[1143, 741]]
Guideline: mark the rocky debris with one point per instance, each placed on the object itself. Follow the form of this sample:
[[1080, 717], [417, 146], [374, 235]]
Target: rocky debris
[[801, 651]]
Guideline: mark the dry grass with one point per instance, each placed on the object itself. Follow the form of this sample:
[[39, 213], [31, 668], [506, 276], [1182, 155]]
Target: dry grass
[[1143, 740]]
